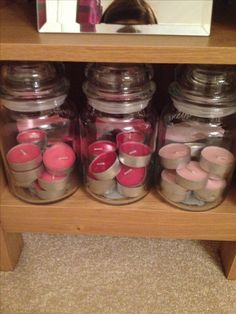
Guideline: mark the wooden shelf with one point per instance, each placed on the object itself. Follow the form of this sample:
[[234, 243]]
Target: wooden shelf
[[150, 217], [20, 40]]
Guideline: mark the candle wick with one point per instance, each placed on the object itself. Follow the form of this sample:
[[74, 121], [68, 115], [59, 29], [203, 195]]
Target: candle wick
[[127, 172], [63, 158], [132, 151], [23, 152], [101, 163], [98, 148]]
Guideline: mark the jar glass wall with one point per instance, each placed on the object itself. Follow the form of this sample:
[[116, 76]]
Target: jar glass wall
[[197, 132], [36, 132], [118, 132]]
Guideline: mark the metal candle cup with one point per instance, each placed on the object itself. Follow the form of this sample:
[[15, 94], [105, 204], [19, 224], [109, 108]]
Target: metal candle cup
[[174, 156], [24, 157], [196, 149], [26, 178], [105, 166], [192, 177], [217, 161], [59, 159], [99, 147], [134, 154], [170, 189], [34, 136], [51, 182], [130, 181], [213, 190], [100, 187], [46, 194]]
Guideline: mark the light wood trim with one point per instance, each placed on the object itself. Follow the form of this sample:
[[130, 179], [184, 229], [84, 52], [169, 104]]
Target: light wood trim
[[11, 245], [228, 257], [151, 216], [21, 41]]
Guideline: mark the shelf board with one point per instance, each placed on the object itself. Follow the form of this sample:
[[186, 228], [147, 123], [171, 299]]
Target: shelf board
[[21, 41], [149, 217]]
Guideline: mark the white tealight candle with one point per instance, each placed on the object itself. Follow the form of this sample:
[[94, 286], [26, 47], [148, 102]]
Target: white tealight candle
[[217, 161], [26, 178], [170, 189], [213, 190], [174, 156], [192, 176]]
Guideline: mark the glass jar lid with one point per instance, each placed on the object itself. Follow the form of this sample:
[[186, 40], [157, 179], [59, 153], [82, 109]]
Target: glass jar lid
[[205, 90], [109, 85], [32, 86]]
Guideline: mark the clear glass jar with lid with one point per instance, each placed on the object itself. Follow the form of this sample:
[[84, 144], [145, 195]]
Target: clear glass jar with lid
[[196, 137], [36, 131], [118, 132]]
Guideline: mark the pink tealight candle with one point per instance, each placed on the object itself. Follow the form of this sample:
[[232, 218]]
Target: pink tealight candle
[[174, 156], [134, 154], [181, 133], [34, 136], [105, 166], [99, 147], [50, 182], [192, 177], [217, 160], [100, 187], [26, 178], [59, 159], [23, 157], [46, 194], [170, 189], [213, 190], [131, 181], [133, 136]]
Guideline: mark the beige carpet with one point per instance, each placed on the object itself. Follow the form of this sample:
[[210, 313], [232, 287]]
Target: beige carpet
[[105, 275]]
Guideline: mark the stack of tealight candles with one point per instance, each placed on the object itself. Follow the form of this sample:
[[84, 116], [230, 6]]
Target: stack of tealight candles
[[120, 166], [44, 171], [188, 181]]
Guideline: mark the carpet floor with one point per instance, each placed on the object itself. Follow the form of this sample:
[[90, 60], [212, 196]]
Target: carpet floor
[[112, 275]]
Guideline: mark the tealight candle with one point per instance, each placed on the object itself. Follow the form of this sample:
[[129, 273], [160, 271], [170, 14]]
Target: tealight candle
[[99, 147], [196, 149], [59, 159], [212, 191], [192, 176], [170, 189], [105, 166], [130, 181], [24, 157], [133, 136], [174, 156], [46, 194], [181, 133], [26, 178], [100, 187], [50, 182], [134, 154], [34, 136], [217, 160]]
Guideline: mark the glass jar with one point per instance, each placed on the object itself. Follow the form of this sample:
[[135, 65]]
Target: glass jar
[[118, 132], [196, 137], [36, 139]]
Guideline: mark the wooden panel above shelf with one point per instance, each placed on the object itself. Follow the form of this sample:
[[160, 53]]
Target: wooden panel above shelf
[[20, 40], [151, 216]]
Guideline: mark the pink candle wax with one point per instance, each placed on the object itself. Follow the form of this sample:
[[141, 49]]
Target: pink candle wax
[[217, 160], [192, 176], [174, 156], [131, 176], [184, 133], [133, 136], [48, 181], [24, 157], [213, 190], [134, 154], [59, 159], [105, 166], [99, 147], [35, 136]]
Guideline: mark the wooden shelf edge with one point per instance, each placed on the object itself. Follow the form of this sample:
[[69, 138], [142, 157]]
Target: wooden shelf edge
[[219, 48], [150, 217]]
